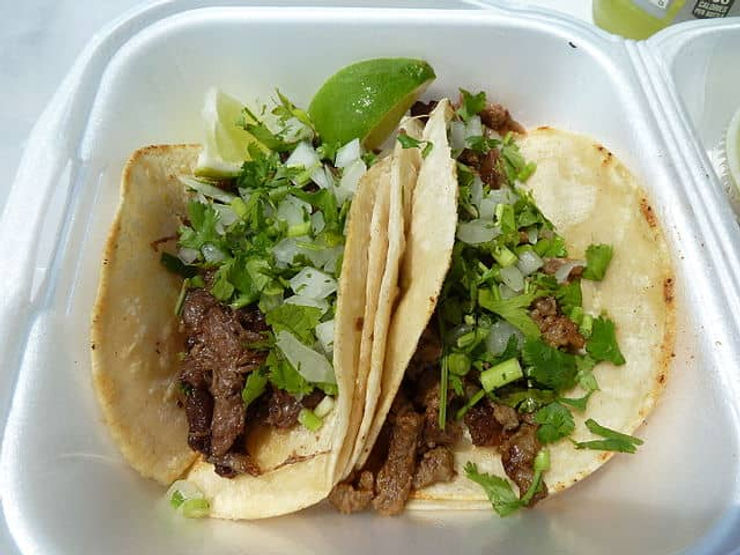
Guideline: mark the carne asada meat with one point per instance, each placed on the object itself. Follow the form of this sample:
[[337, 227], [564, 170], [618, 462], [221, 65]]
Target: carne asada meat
[[393, 483], [518, 452], [557, 330], [552, 265], [282, 409], [349, 497], [437, 465], [213, 374], [498, 118]]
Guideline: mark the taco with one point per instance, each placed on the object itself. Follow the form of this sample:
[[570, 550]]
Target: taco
[[534, 323], [230, 316]]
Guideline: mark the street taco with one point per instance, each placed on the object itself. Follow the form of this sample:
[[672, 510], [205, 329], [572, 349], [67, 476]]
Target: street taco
[[534, 325], [230, 315]]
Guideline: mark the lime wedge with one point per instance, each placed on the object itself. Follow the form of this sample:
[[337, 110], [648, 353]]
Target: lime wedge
[[366, 100], [225, 143]]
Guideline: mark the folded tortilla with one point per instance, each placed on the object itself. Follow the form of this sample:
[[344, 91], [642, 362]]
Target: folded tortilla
[[590, 197], [136, 341]]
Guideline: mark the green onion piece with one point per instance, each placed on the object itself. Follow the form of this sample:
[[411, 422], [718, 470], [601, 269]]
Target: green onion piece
[[541, 464], [501, 374], [176, 499], [309, 420], [577, 315], [239, 207], [299, 229], [504, 256], [470, 404], [197, 281], [181, 296], [459, 363], [195, 508], [586, 325], [443, 393]]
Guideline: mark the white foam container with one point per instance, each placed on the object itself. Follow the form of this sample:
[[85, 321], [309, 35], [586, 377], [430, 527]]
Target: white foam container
[[66, 489]]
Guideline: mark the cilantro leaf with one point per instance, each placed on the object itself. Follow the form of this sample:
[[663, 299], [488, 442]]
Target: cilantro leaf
[[553, 247], [409, 142], [578, 403], [528, 400], [585, 376], [202, 229], [177, 266], [222, 289], [555, 422], [597, 260], [513, 310], [283, 376], [569, 296], [499, 491], [615, 441], [254, 387], [296, 319], [472, 104], [550, 368], [602, 345]]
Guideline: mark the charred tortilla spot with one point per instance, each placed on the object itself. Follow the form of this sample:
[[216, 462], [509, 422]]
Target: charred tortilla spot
[[661, 379], [358, 323], [668, 290], [647, 212]]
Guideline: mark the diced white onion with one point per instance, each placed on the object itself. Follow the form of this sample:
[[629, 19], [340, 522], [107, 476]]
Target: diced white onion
[[350, 178], [317, 222], [474, 127], [457, 135], [562, 273], [476, 191], [348, 154], [506, 291], [499, 336], [323, 177], [212, 253], [293, 210], [187, 255], [285, 251], [487, 208], [303, 156], [325, 406], [503, 196], [532, 235], [325, 335], [206, 189], [512, 276], [477, 231], [188, 490], [310, 364], [226, 214], [313, 283], [529, 262], [303, 300], [327, 258]]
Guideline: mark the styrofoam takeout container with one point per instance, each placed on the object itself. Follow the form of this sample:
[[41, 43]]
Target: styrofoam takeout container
[[66, 489]]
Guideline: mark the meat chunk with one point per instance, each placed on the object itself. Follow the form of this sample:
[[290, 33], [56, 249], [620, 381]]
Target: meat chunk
[[213, 374], [233, 464], [437, 465], [283, 409], [498, 118], [557, 330], [433, 435], [393, 483], [491, 169], [506, 416], [349, 497], [485, 430], [552, 265], [422, 110], [518, 452]]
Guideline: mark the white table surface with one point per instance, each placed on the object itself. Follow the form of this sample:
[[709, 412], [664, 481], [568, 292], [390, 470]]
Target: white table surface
[[39, 41]]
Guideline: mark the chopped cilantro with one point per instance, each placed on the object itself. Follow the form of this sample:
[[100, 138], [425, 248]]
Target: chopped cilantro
[[615, 441], [569, 296], [597, 260], [549, 367], [579, 403], [177, 266], [513, 310], [254, 387], [472, 104], [556, 422], [499, 491], [409, 142], [298, 320], [283, 376], [585, 376], [602, 345]]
